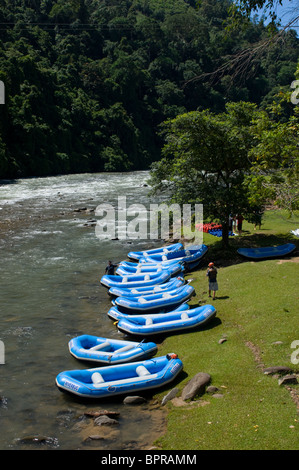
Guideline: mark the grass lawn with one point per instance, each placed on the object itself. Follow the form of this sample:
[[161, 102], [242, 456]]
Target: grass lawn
[[257, 314]]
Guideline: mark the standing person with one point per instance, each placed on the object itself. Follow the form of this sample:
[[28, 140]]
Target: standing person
[[110, 268], [257, 219], [239, 223], [234, 225], [230, 222], [212, 275]]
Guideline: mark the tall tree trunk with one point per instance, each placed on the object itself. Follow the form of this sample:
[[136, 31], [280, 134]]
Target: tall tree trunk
[[225, 237]]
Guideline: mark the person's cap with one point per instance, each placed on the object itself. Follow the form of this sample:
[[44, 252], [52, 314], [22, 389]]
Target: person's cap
[[211, 264]]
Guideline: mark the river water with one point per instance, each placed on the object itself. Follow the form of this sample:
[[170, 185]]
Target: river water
[[51, 264]]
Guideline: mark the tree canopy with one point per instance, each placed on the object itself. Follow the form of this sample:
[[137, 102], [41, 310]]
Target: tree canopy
[[232, 162], [88, 82], [206, 160]]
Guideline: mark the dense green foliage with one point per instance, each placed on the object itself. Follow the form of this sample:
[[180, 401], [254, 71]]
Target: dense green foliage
[[233, 162], [88, 82], [205, 158]]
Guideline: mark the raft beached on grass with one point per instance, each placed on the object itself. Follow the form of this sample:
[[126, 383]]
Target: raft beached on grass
[[267, 252], [148, 325], [190, 256]]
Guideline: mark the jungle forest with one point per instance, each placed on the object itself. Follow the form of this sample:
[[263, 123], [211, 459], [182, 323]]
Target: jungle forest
[[88, 83]]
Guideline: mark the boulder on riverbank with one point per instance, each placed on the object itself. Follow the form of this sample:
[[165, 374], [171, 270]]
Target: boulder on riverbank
[[196, 386]]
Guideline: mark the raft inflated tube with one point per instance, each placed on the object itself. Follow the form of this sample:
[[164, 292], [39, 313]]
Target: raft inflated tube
[[97, 378], [97, 347], [157, 289], [124, 348], [141, 371]]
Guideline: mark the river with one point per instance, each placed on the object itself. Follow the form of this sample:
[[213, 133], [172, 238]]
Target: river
[[51, 264]]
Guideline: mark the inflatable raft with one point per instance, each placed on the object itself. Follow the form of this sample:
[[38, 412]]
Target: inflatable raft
[[267, 252], [109, 351], [139, 291], [173, 268], [136, 255], [160, 300], [114, 312], [135, 280], [148, 325], [120, 379], [163, 264], [190, 256]]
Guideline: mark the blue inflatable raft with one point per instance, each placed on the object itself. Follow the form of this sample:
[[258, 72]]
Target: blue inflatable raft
[[155, 301], [173, 268], [135, 280], [148, 325], [136, 255], [120, 379], [268, 252], [163, 264], [114, 312], [190, 256], [108, 350], [139, 291]]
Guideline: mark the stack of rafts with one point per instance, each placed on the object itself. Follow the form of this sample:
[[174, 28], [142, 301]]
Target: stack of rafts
[[143, 305], [212, 229], [149, 297]]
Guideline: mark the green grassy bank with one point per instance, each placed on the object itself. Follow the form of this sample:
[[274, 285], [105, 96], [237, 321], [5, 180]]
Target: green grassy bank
[[257, 314]]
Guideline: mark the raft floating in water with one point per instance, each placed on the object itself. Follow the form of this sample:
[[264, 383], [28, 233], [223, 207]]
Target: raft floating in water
[[139, 291], [120, 379], [114, 313], [143, 268], [136, 255], [135, 280], [108, 350], [157, 301]]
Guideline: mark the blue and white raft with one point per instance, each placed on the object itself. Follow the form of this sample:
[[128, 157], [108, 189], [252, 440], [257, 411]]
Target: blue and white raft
[[160, 300], [143, 268], [115, 314], [148, 325], [139, 291], [190, 256], [120, 379], [267, 252], [136, 255], [108, 350], [135, 280]]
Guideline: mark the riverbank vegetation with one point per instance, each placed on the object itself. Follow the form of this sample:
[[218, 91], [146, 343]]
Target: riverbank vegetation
[[233, 162], [88, 82], [255, 327]]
